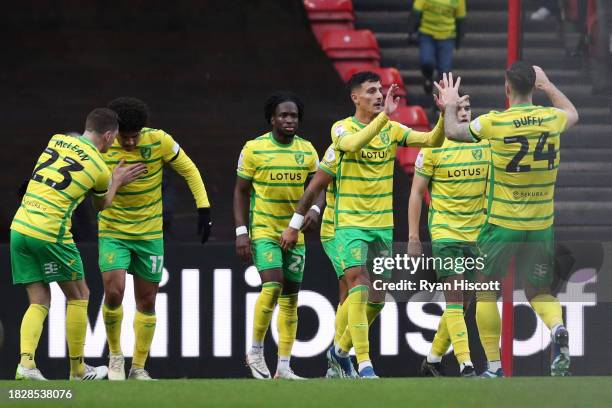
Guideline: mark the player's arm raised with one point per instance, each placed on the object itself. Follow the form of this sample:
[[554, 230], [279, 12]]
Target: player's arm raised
[[315, 188], [355, 141], [557, 98], [121, 176], [448, 93]]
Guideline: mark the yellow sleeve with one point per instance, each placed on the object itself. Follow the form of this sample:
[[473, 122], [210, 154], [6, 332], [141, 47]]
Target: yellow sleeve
[[102, 183], [399, 132], [561, 121], [169, 148], [460, 11], [352, 142], [328, 163], [423, 165], [182, 164], [433, 138], [481, 127], [246, 163], [418, 5]]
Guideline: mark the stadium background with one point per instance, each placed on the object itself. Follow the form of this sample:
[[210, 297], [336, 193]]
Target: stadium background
[[205, 69]]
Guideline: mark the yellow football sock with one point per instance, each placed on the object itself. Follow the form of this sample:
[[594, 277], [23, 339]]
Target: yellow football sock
[[144, 329], [457, 329], [264, 307], [441, 340], [357, 324], [489, 323], [76, 327], [549, 309], [373, 309], [31, 328], [341, 321], [287, 323], [112, 322]]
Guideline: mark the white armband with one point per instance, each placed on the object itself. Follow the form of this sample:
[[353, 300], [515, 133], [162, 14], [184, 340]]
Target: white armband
[[316, 209], [241, 230]]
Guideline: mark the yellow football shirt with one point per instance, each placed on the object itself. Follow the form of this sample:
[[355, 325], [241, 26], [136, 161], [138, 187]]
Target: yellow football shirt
[[438, 17], [329, 165], [136, 211], [67, 170], [458, 178], [525, 142], [364, 179], [278, 173]]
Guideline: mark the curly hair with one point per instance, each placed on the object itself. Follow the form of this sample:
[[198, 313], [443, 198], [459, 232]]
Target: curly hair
[[279, 97], [133, 113]]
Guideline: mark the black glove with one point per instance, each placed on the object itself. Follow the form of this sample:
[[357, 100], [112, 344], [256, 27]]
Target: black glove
[[204, 223]]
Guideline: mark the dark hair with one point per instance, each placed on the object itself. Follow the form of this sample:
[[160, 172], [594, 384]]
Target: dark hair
[[359, 78], [521, 77], [101, 120], [133, 113], [279, 97]]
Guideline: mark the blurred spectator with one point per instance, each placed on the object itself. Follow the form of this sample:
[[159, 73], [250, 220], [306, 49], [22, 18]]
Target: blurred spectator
[[439, 24], [584, 39], [547, 8]]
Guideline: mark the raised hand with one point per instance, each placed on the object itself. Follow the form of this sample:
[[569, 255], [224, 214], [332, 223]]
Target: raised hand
[[448, 91], [541, 81], [391, 100], [437, 99]]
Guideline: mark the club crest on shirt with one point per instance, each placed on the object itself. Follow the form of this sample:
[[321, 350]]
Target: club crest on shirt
[[299, 158], [384, 137], [477, 154], [145, 152]]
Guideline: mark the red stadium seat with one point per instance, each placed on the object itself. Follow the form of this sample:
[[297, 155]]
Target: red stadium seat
[[328, 15], [348, 68], [351, 49], [351, 45], [406, 156], [388, 76], [329, 9], [412, 116]]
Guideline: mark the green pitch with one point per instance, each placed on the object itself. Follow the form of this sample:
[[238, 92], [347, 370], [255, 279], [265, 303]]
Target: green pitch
[[400, 392]]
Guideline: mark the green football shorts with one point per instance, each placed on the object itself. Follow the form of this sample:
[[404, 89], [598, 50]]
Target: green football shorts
[[454, 258], [329, 246], [267, 254], [358, 247], [534, 253], [143, 258], [35, 260]]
